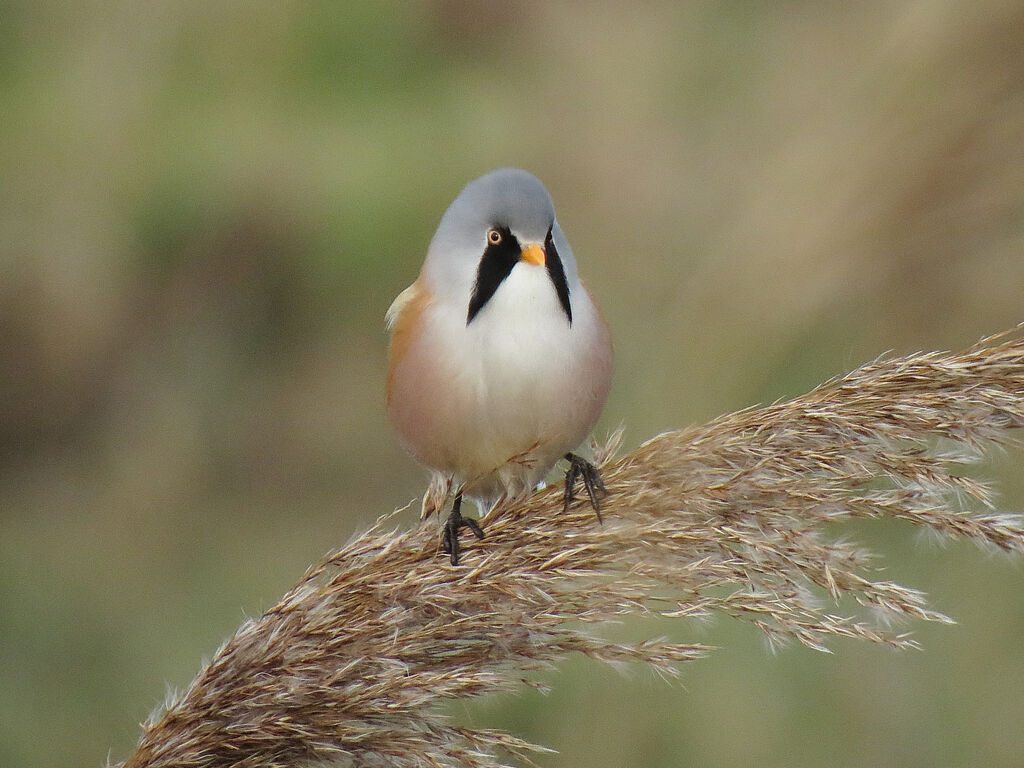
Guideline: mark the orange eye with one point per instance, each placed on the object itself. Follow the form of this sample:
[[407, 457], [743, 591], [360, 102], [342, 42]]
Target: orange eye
[[494, 237]]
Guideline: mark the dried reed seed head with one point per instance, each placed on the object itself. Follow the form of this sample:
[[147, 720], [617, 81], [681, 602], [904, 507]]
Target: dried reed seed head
[[724, 518]]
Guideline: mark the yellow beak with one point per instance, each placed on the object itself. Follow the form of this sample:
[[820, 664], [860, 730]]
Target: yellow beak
[[534, 254]]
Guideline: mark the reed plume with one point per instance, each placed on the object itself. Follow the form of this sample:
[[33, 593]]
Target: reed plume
[[736, 517]]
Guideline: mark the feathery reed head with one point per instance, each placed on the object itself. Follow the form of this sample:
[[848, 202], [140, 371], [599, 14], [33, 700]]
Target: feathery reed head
[[728, 517]]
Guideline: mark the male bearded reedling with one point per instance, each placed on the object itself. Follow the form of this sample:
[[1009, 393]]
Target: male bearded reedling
[[499, 363]]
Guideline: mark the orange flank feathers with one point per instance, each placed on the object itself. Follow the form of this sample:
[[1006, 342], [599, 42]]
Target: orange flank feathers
[[402, 320]]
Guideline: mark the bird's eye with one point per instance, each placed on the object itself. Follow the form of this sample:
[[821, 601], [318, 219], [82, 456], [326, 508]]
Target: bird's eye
[[494, 237]]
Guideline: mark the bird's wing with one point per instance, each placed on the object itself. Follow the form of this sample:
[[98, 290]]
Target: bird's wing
[[401, 302]]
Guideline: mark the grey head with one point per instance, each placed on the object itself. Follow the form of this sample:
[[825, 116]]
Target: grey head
[[507, 200]]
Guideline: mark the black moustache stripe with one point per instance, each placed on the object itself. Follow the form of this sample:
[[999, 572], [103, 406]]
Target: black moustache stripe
[[498, 262], [495, 265], [557, 273]]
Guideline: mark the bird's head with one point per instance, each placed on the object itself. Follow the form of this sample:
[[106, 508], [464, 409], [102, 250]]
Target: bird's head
[[502, 221]]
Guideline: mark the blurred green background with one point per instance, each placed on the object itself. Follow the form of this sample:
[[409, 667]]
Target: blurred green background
[[206, 208]]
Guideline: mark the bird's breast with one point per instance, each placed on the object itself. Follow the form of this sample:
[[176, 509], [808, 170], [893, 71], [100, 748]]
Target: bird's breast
[[517, 378], [522, 336]]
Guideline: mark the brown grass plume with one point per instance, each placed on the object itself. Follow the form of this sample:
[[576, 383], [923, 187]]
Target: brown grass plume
[[735, 517]]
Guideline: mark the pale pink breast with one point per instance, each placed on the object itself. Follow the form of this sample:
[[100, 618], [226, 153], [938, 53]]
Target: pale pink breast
[[465, 406]]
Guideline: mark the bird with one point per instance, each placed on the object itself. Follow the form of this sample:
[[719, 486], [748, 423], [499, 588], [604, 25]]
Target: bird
[[499, 361]]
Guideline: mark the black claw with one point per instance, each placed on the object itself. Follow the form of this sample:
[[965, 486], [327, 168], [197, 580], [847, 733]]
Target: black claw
[[580, 467], [455, 521]]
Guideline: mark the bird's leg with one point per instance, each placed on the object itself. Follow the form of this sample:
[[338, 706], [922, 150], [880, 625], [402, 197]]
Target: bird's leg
[[581, 468], [455, 521]]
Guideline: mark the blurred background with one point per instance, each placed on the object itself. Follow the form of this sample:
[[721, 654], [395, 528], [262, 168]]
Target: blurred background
[[206, 208]]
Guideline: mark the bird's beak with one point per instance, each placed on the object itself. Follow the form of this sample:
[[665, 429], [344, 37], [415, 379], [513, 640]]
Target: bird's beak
[[534, 254]]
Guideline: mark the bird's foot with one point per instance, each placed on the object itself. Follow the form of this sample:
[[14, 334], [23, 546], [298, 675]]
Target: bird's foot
[[455, 522], [581, 468]]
